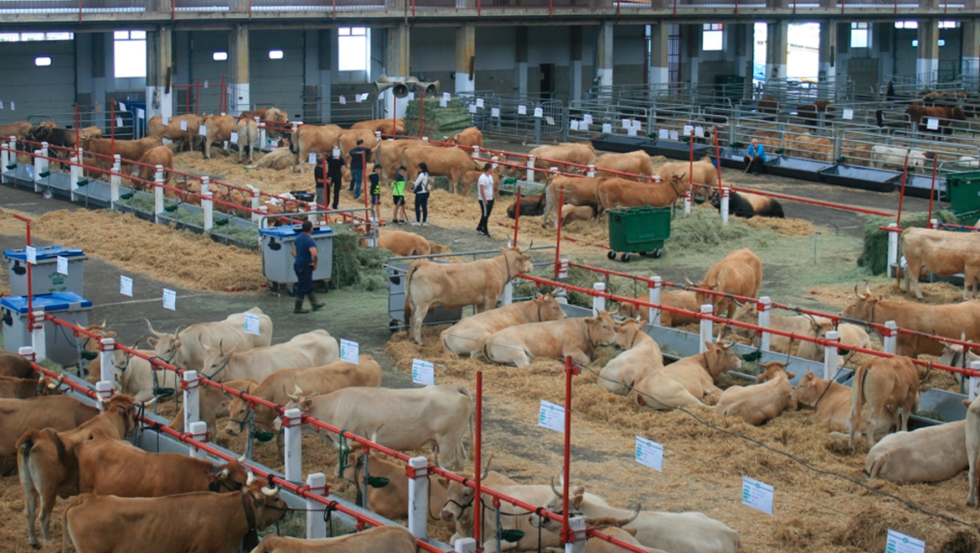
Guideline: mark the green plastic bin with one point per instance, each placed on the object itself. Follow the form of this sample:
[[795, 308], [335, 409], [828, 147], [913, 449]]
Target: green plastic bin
[[640, 230], [963, 193]]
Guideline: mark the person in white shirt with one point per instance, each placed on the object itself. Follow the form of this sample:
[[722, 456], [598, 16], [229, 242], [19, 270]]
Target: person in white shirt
[[421, 188], [484, 188]]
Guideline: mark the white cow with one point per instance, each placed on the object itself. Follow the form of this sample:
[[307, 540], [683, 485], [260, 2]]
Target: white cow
[[972, 432], [642, 357], [134, 375], [187, 349], [929, 454], [892, 156], [312, 349]]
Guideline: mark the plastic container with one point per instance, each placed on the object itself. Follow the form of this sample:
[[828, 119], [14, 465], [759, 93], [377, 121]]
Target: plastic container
[[277, 254], [45, 276], [60, 343], [640, 230], [963, 193]]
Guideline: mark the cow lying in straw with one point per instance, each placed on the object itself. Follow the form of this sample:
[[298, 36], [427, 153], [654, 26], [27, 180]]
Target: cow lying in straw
[[578, 338]]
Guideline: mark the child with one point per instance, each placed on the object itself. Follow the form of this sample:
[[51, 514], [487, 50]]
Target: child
[[375, 183], [398, 196]]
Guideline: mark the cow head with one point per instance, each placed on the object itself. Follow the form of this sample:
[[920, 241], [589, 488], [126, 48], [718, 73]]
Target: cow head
[[774, 370], [627, 310], [680, 183], [124, 406], [216, 360], [91, 344], [601, 329], [47, 386], [957, 113], [807, 390], [707, 284], [231, 476], [297, 400], [548, 308], [720, 358], [864, 305], [517, 261], [953, 353], [167, 346], [267, 506], [556, 505], [626, 332], [746, 313], [238, 413]]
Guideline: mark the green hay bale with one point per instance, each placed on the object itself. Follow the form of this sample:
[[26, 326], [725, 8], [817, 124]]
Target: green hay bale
[[875, 254], [240, 235], [703, 231], [440, 122], [576, 277], [346, 267]]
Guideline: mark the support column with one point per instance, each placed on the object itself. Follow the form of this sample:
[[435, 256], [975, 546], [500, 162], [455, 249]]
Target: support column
[[397, 65], [777, 50], [742, 37], [466, 59], [575, 57], [520, 60], [659, 47], [971, 47], [238, 100], [927, 57], [827, 65], [159, 93], [604, 55]]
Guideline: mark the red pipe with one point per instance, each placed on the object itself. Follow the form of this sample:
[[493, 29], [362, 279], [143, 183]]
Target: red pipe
[[570, 370], [690, 171], [932, 188], [477, 466], [561, 203], [901, 197], [517, 215], [718, 161], [77, 140], [112, 126]]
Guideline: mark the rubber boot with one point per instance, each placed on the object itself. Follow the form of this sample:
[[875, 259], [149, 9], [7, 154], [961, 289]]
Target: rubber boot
[[299, 307], [313, 303]]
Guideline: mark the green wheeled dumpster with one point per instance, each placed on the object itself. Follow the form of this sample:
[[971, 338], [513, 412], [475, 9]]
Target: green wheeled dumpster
[[641, 230], [963, 193]]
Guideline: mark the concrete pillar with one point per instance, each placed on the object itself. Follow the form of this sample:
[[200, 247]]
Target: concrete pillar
[[826, 67], [741, 40], [575, 57], [238, 100], [466, 58], [927, 57], [659, 47], [520, 60], [971, 46], [159, 94], [397, 66], [777, 50], [604, 54]]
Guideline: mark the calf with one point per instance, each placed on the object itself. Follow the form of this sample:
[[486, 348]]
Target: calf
[[390, 539], [972, 442], [530, 205], [882, 383], [248, 134], [390, 500], [746, 205], [26, 388], [929, 454], [685, 382], [762, 402], [18, 416], [738, 273], [832, 402], [470, 334], [642, 357], [679, 299], [577, 338]]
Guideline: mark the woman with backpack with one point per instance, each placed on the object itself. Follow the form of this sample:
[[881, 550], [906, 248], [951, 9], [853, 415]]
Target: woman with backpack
[[422, 188]]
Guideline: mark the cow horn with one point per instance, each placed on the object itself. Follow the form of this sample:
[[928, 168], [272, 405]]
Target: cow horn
[[221, 346], [153, 332], [251, 477], [486, 468], [102, 326], [289, 395], [624, 521], [374, 435], [242, 459], [859, 294], [269, 492], [296, 389], [867, 289], [962, 333], [689, 283], [177, 331], [558, 493], [151, 402]]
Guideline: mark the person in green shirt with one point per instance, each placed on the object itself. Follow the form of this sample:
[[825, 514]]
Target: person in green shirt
[[398, 197]]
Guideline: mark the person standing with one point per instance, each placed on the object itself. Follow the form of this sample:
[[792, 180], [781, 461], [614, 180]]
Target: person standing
[[421, 188], [335, 178], [358, 161], [484, 188], [375, 181], [320, 177], [755, 157], [305, 263], [398, 196]]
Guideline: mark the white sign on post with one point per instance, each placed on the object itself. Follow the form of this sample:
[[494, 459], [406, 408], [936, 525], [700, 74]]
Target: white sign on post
[[521, 110], [552, 416], [125, 286], [587, 118], [607, 128], [900, 543], [932, 124], [674, 135], [336, 152], [165, 120], [627, 124], [183, 125], [650, 453], [343, 100], [234, 137], [479, 102], [202, 130], [205, 83], [140, 113], [573, 124], [252, 324], [848, 113], [119, 122], [348, 351], [443, 102], [549, 120], [538, 112], [699, 132], [472, 108], [688, 130], [312, 158], [31, 253], [169, 299], [757, 495], [62, 265], [423, 372], [495, 112]]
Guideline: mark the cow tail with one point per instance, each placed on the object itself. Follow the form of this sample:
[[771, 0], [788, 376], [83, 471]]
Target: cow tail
[[486, 351], [857, 395], [876, 466], [408, 292], [24, 448], [294, 142]]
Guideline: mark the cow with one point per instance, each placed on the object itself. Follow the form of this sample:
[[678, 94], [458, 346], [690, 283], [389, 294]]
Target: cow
[[48, 464], [738, 273], [479, 283], [832, 404], [616, 192], [389, 154], [953, 356], [635, 163], [381, 125], [187, 349], [679, 299], [941, 253], [801, 325], [391, 500], [747, 205], [687, 532], [275, 121], [107, 466], [214, 403], [200, 521], [466, 139], [883, 156], [403, 243], [688, 381], [943, 320], [819, 148], [470, 334], [135, 375], [767, 105], [315, 380], [442, 162], [564, 156], [253, 113], [130, 150], [569, 190], [850, 336], [571, 213], [390, 539], [26, 388], [401, 419], [530, 206], [18, 129], [929, 454], [17, 416], [219, 129], [312, 349], [578, 338], [701, 172], [159, 155], [642, 356], [608, 525], [312, 139], [248, 134], [348, 141], [472, 177], [279, 159], [972, 442], [887, 385], [919, 115], [809, 113], [758, 404], [188, 136], [54, 136]]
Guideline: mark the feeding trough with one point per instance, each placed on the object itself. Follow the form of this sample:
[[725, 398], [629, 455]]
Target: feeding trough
[[861, 177], [140, 204], [796, 168], [97, 193], [733, 158], [920, 185], [21, 174], [58, 184]]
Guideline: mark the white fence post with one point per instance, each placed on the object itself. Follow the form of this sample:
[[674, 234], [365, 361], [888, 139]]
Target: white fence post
[[974, 380], [830, 356], [598, 302], [115, 181], [465, 545], [765, 321], [933, 223], [476, 151], [158, 195], [706, 327], [5, 153], [892, 250], [27, 352], [724, 205], [577, 526], [38, 339], [687, 202], [38, 168], [656, 290], [418, 496], [199, 432], [256, 198], [591, 171], [563, 269], [107, 370], [192, 398], [207, 204], [262, 138], [508, 293], [292, 421], [74, 173], [316, 527], [530, 169], [890, 337], [105, 390]]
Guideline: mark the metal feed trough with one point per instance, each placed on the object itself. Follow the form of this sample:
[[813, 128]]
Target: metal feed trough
[[185, 215], [796, 168], [861, 177]]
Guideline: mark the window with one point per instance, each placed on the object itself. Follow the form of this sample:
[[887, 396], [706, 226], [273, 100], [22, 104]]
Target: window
[[353, 48], [949, 24], [42, 61], [219, 56], [35, 36], [275, 54], [860, 35], [130, 54], [713, 37], [906, 24]]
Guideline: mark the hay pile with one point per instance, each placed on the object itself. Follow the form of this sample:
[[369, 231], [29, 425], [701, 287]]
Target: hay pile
[[842, 295], [783, 227], [875, 255], [354, 266], [440, 122]]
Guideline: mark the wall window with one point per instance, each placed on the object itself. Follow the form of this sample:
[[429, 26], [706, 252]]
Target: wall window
[[713, 37], [353, 48], [130, 54], [42, 61], [36, 36], [906, 24], [860, 35], [915, 42], [949, 24], [275, 54], [219, 56]]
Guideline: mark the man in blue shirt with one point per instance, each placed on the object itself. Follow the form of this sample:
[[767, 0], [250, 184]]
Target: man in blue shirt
[[755, 158], [306, 260]]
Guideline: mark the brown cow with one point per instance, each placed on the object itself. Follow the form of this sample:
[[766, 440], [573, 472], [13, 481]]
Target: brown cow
[[160, 155], [767, 105], [390, 539], [188, 136], [941, 253], [832, 402], [571, 190], [809, 113], [571, 213], [131, 150], [389, 155], [276, 121], [470, 178], [14, 365], [442, 162], [701, 172], [739, 273], [26, 388], [470, 334], [578, 338], [560, 155], [383, 125], [893, 384], [18, 129], [312, 139], [18, 416], [48, 465], [467, 139], [219, 129], [348, 141], [688, 381], [403, 243], [762, 402], [618, 192], [919, 115], [390, 501], [636, 163], [680, 299]]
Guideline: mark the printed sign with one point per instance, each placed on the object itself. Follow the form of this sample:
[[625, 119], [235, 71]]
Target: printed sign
[[637, 124], [1, 104], [119, 121], [62, 265], [631, 131], [688, 130], [573, 124], [479, 102], [205, 83], [183, 125], [140, 113], [312, 158], [411, 96], [900, 543], [495, 112], [234, 137], [674, 135], [169, 299], [443, 102], [552, 416], [13, 106], [336, 152], [122, 107], [538, 112], [423, 372], [650, 454], [358, 98], [446, 96], [607, 128], [627, 124], [343, 100], [583, 126], [125, 286], [472, 108], [757, 495], [202, 130], [522, 110], [699, 132], [31, 253], [252, 324], [587, 118], [165, 119], [848, 113], [932, 123], [549, 120], [348, 351]]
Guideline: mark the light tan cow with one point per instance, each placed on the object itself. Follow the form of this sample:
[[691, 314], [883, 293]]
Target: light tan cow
[[701, 172], [276, 122], [470, 334], [130, 150], [187, 348], [316, 380], [571, 213], [941, 253], [929, 454], [972, 442], [762, 402], [617, 192], [277, 160], [311, 349], [832, 402], [739, 273], [219, 129], [570, 190], [608, 525], [887, 385], [578, 338], [312, 139], [188, 136], [18, 129], [383, 125], [248, 134], [636, 163], [641, 358], [390, 539], [479, 283], [403, 243], [214, 403], [390, 500], [560, 155], [680, 299], [850, 336], [442, 162], [18, 416], [466, 139], [389, 155], [348, 141], [801, 325], [472, 177], [686, 382]]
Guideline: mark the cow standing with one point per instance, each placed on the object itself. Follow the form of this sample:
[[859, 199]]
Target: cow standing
[[617, 192], [569, 190], [186, 349], [972, 432], [941, 253], [248, 134], [887, 385], [312, 139], [59, 413], [738, 273]]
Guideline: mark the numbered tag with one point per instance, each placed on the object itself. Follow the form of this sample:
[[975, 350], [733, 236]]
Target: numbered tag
[[673, 135], [522, 110], [343, 100], [539, 112], [183, 125], [31, 253], [495, 112], [587, 118], [699, 131], [122, 107], [446, 96], [336, 152], [900, 543], [627, 124], [205, 83], [443, 102], [13, 106], [312, 158], [423, 372], [848, 113], [62, 265], [607, 128], [573, 124], [650, 454], [165, 120], [472, 108], [252, 324], [125, 286], [688, 130], [549, 120], [757, 495], [119, 122], [169, 299], [663, 134], [234, 137], [348, 351], [552, 416], [932, 123], [479, 102], [202, 131], [140, 113]]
